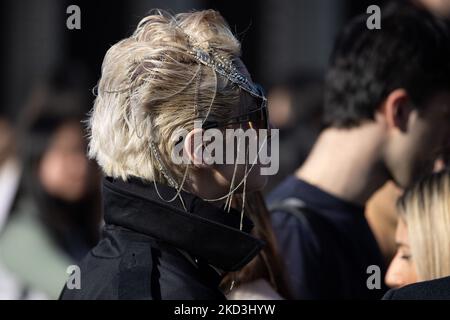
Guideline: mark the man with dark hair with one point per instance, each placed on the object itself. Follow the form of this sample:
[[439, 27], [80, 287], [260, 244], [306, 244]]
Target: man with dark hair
[[387, 110]]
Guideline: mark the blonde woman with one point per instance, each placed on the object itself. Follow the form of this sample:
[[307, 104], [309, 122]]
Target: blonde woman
[[170, 231], [423, 237]]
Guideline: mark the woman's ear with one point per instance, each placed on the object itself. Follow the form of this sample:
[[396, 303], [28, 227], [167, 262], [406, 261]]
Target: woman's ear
[[397, 109], [194, 148]]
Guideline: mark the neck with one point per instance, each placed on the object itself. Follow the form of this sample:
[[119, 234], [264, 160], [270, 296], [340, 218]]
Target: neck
[[203, 183], [347, 162]]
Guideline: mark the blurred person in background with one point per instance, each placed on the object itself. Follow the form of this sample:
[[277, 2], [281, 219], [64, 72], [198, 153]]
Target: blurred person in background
[[402, 269], [423, 240], [295, 107], [56, 220], [9, 166], [386, 110], [381, 209], [381, 215], [440, 8], [382, 212]]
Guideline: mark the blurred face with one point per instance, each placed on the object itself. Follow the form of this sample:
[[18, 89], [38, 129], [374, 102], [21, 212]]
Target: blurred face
[[402, 270], [427, 133], [63, 170], [280, 106], [438, 7]]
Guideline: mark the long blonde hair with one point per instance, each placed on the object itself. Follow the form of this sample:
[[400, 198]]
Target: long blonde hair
[[425, 207]]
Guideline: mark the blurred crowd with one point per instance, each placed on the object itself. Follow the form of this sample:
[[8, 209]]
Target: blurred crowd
[[50, 213]]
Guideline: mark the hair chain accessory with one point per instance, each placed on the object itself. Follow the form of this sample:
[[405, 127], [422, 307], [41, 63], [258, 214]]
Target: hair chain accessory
[[162, 168], [225, 68]]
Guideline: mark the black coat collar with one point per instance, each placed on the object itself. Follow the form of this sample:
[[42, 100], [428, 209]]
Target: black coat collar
[[206, 232]]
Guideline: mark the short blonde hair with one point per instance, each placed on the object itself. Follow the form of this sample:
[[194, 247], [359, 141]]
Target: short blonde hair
[[426, 210], [150, 86]]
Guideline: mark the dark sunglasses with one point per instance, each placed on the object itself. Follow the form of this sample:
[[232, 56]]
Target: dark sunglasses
[[254, 119]]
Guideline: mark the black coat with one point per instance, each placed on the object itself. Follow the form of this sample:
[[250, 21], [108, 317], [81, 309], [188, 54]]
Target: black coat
[[152, 249], [438, 289]]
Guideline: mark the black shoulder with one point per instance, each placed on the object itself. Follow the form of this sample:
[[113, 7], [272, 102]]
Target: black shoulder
[[126, 265], [390, 295], [438, 289], [119, 267], [98, 280]]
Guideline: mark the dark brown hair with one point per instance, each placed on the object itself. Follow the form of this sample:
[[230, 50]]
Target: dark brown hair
[[268, 264]]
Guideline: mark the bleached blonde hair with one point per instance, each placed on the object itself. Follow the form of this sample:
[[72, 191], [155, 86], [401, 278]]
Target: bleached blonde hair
[[150, 86], [426, 210]]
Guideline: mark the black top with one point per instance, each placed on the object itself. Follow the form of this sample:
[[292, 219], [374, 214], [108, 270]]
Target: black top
[[438, 289], [327, 253], [152, 249]]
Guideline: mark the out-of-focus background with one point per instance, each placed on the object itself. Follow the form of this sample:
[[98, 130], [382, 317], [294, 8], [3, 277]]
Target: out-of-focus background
[[283, 40], [50, 211]]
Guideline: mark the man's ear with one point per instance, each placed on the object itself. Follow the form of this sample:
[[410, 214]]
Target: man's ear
[[193, 147], [397, 109]]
